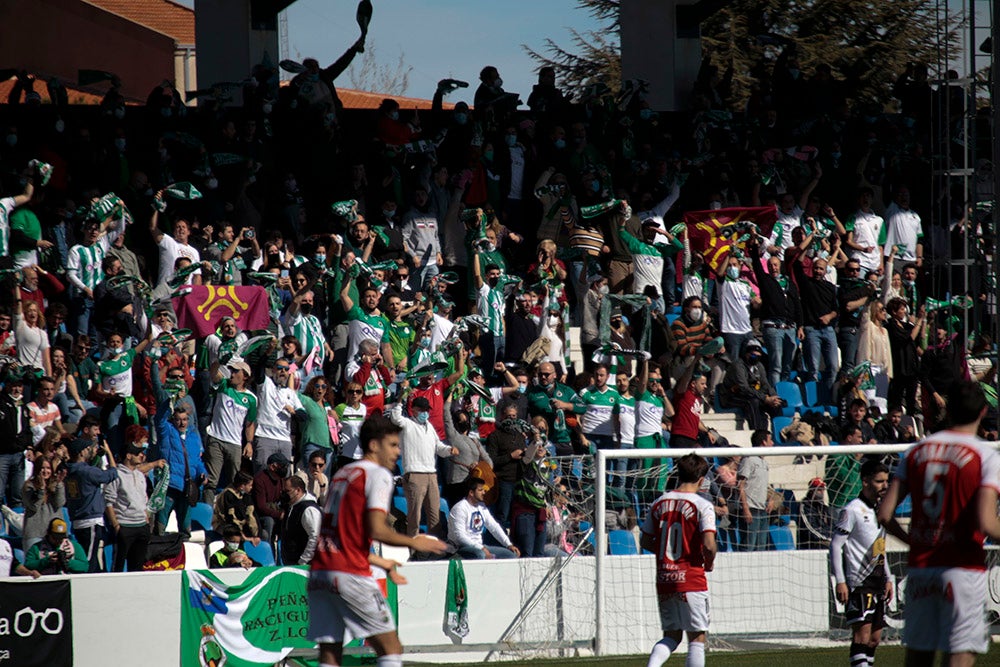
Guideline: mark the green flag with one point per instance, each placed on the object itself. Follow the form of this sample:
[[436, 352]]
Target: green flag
[[253, 624], [456, 602]]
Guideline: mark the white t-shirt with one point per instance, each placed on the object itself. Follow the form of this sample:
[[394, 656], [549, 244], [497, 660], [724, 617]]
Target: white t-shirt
[[31, 344], [781, 233], [902, 228], [440, 329], [273, 421], [6, 559], [867, 228], [170, 250], [734, 306]]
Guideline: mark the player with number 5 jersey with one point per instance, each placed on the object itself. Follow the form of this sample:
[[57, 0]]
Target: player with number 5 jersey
[[680, 531], [954, 481]]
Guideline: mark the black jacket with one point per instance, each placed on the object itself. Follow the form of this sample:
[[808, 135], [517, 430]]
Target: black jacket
[[15, 426], [294, 538], [776, 303]]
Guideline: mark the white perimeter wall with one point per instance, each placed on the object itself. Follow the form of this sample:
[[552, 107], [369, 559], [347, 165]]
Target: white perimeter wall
[[139, 614]]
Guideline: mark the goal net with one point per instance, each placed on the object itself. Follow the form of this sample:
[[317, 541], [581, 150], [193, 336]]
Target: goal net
[[599, 598]]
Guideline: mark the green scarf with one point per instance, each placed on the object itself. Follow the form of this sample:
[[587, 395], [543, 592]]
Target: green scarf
[[634, 300], [456, 602], [158, 500]]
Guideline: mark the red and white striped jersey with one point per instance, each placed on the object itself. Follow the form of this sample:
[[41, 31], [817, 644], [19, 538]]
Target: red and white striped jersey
[[344, 540], [677, 521], [943, 474]]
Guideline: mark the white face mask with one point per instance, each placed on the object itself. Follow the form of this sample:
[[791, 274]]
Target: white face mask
[[60, 126], [695, 314], [553, 320], [212, 183], [232, 546], [733, 272]]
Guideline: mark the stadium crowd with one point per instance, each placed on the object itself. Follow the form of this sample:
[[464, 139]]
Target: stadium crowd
[[431, 266]]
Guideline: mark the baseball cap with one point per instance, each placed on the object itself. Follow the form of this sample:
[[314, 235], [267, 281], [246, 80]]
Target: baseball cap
[[752, 344], [78, 445], [240, 366], [57, 527]]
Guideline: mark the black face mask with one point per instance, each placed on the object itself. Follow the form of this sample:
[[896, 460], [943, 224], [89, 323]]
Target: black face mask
[[285, 499], [274, 259], [306, 308], [462, 427]]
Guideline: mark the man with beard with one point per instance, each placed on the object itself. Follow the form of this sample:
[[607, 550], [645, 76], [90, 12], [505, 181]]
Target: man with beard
[[859, 565], [552, 400]]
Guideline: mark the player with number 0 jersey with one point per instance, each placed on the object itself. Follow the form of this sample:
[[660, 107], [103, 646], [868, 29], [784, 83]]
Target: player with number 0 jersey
[[954, 481], [680, 530]]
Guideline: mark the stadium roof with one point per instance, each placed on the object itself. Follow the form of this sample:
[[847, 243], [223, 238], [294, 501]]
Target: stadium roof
[[163, 16]]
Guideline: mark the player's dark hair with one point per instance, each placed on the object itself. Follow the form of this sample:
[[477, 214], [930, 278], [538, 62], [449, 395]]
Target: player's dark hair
[[376, 427], [691, 468], [872, 467], [966, 401], [758, 437], [473, 483]]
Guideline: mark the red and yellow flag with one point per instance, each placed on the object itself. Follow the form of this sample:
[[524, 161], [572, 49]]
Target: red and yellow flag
[[202, 307], [714, 233]]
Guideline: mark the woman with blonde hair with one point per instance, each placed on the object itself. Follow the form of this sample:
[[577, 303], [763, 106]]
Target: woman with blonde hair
[[32, 338], [873, 346]]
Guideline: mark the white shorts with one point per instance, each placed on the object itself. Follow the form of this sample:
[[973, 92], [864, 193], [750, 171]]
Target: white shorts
[[946, 610], [684, 611], [343, 607]]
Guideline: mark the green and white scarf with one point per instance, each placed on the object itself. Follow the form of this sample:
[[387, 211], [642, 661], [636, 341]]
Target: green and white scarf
[[158, 499], [456, 602]]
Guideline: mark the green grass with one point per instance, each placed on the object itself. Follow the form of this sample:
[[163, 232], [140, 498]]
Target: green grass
[[825, 657]]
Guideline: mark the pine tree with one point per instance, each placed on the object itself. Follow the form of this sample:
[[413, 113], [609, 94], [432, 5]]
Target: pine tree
[[866, 42]]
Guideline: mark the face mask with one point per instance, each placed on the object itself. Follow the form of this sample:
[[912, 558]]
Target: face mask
[[394, 115], [603, 290], [232, 546], [148, 192], [425, 342], [306, 309], [12, 140], [461, 118], [163, 154], [732, 273], [488, 155], [715, 205], [119, 113], [319, 260], [794, 73], [498, 83], [645, 114], [553, 320], [422, 417], [266, 108], [60, 126], [166, 112], [836, 155], [595, 186], [560, 143], [462, 427], [511, 140], [521, 388], [909, 283], [695, 314], [388, 212], [117, 350], [212, 183]]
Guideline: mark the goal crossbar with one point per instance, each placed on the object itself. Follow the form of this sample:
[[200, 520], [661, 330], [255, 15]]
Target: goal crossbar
[[601, 497]]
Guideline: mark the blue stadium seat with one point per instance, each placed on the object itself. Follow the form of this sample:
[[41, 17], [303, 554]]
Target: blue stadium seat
[[444, 506], [262, 553], [811, 390], [792, 395], [905, 508], [622, 543], [399, 502], [109, 557], [671, 318], [200, 517], [779, 423], [781, 538], [19, 555], [719, 409], [832, 409]]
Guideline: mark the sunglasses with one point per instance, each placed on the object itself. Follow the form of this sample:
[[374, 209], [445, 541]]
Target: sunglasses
[[353, 391], [281, 368], [320, 386]]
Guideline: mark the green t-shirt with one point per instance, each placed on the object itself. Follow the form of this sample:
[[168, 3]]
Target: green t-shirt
[[539, 403], [25, 220], [401, 337], [315, 430]]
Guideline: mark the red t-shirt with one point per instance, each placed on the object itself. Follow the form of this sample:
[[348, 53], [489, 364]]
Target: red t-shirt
[[678, 521], [942, 474], [344, 541], [435, 396], [687, 415]]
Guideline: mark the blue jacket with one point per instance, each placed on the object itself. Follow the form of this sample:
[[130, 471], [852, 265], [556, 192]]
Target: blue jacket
[[84, 498], [170, 449]]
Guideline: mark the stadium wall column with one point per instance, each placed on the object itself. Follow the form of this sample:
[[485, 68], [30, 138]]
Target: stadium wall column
[[662, 46], [232, 36]]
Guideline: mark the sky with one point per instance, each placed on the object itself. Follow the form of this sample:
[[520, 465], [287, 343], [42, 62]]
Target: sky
[[438, 38]]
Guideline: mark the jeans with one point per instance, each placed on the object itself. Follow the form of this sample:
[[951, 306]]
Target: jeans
[[847, 340], [11, 478], [222, 461], [428, 269], [616, 467], [130, 548], [821, 343], [781, 344], [734, 343], [82, 314], [501, 511], [525, 533], [473, 553], [754, 535], [175, 501]]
